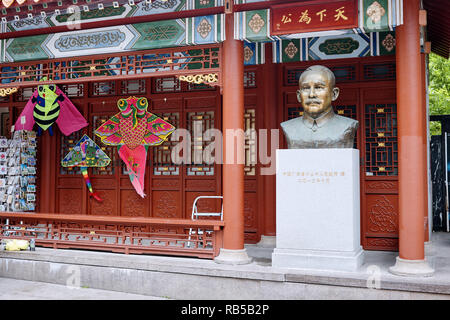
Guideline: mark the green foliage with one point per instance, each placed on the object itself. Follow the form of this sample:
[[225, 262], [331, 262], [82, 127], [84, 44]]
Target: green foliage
[[439, 89]]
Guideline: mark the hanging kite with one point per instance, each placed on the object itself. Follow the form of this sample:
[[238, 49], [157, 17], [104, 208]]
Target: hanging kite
[[86, 153], [133, 130], [48, 105]]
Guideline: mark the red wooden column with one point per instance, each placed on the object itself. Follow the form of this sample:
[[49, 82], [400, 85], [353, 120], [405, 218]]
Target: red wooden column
[[233, 251], [411, 161]]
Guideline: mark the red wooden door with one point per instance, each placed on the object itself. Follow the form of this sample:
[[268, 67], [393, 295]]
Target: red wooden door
[[166, 178], [253, 186], [175, 186], [379, 172], [251, 169]]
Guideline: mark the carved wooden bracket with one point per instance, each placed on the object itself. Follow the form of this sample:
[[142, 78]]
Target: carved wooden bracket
[[211, 79], [7, 91]]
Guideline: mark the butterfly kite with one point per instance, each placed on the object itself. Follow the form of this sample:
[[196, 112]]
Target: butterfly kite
[[86, 153], [133, 130], [48, 105]]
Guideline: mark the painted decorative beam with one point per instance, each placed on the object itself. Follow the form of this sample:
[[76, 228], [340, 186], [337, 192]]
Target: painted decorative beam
[[155, 10], [203, 61], [116, 22]]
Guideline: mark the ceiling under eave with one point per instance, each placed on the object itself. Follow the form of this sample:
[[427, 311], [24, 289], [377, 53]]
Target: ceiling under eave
[[438, 26]]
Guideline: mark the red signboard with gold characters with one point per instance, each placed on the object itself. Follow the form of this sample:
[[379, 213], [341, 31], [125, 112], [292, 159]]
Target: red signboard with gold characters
[[314, 16]]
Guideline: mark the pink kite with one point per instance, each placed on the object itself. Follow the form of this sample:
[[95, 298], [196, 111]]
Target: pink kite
[[133, 130], [48, 105]]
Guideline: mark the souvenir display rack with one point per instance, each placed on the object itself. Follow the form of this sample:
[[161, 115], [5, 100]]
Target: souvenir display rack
[[18, 172]]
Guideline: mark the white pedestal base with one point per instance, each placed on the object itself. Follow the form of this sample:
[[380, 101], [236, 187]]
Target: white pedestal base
[[318, 209], [411, 268], [232, 257], [318, 260]]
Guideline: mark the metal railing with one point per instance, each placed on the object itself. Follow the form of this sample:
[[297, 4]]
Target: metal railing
[[115, 234]]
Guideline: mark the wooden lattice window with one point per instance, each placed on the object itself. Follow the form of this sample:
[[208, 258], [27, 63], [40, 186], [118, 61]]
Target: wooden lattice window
[[249, 79], [380, 71], [381, 151], [197, 123], [344, 73], [292, 75], [294, 112], [24, 94], [166, 85], [162, 154], [172, 84], [73, 90], [106, 88], [348, 111], [132, 87]]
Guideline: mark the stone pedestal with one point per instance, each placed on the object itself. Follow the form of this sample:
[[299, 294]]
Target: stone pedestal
[[318, 209], [232, 257], [411, 268]]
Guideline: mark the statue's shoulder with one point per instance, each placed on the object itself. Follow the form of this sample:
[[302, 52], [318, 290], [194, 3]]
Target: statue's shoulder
[[347, 122], [292, 123]]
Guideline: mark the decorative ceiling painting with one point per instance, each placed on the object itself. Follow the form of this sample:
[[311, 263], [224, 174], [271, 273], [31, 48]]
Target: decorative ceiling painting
[[30, 14], [372, 35]]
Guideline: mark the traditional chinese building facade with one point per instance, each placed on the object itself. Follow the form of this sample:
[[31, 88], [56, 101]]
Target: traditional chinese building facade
[[215, 64]]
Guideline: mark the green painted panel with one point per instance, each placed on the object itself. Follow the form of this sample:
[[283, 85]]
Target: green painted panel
[[158, 34], [199, 4], [339, 46], [387, 43], [256, 24], [375, 15], [94, 14], [27, 48], [291, 50]]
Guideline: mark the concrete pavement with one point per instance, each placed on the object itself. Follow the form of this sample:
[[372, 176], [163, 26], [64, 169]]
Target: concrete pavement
[[202, 279], [14, 289]]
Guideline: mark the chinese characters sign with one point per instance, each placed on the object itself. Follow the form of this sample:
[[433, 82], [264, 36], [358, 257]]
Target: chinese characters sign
[[314, 176], [304, 17]]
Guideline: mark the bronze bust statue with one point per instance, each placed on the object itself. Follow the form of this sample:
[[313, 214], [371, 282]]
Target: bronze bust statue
[[319, 127]]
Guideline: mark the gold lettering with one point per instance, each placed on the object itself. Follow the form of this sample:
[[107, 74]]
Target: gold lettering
[[286, 19], [305, 18], [340, 14], [321, 14]]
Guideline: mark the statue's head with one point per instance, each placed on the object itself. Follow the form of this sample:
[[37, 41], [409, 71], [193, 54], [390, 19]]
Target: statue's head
[[317, 90]]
